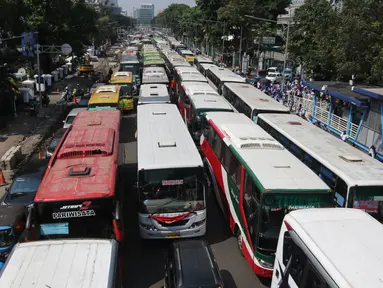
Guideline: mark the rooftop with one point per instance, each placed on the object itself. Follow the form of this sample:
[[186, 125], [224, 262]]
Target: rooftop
[[339, 90]]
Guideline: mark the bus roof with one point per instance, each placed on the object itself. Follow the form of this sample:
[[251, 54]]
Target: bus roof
[[206, 66], [332, 235], [203, 60], [106, 89], [163, 139], [225, 75], [121, 77], [61, 263], [210, 102], [352, 165], [84, 164], [154, 77], [272, 166], [255, 98], [190, 74], [147, 90], [198, 88]]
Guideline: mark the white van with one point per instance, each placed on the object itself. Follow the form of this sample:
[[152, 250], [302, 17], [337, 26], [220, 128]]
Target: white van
[[272, 70], [63, 263], [329, 247]]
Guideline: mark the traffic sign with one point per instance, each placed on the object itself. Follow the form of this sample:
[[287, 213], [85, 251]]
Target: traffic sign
[[268, 40], [66, 49]]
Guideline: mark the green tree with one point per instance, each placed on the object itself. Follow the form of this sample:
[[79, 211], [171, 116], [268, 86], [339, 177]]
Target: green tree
[[233, 15], [312, 38], [12, 14], [359, 40]]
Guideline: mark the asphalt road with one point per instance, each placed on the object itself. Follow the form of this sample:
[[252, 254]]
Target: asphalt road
[[144, 261]]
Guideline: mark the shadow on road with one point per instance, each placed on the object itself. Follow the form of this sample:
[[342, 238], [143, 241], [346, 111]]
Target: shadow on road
[[228, 279]]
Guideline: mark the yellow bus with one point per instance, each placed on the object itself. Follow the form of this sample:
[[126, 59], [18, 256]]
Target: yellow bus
[[124, 80], [105, 97]]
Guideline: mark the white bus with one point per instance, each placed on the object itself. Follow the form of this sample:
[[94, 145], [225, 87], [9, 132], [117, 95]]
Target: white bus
[[153, 93], [355, 177], [187, 74], [204, 67], [196, 99], [171, 188], [256, 182], [155, 75], [251, 101], [63, 263], [329, 248], [218, 76], [198, 60]]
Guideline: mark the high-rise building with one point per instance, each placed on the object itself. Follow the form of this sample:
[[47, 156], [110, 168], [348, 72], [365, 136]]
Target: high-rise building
[[145, 13]]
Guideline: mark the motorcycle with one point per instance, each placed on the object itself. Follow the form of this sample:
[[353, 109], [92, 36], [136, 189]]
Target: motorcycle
[[66, 96]]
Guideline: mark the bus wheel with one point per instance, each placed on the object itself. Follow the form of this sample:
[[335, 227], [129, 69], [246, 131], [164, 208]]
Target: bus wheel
[[239, 240]]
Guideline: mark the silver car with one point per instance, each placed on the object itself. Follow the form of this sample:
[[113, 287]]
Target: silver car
[[72, 114]]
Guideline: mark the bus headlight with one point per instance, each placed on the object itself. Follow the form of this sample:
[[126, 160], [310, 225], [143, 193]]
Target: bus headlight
[[265, 264], [197, 224], [148, 227]]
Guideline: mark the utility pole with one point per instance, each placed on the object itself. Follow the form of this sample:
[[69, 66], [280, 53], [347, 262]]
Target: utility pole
[[240, 50], [287, 40], [285, 56]]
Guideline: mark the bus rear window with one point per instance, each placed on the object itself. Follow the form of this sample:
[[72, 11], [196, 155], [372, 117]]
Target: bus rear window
[[90, 219]]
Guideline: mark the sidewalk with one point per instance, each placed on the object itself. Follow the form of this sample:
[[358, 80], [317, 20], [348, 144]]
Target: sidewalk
[[29, 130], [25, 125]]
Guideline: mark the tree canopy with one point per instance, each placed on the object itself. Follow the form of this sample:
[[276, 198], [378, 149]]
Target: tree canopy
[[340, 44], [76, 22], [210, 18]]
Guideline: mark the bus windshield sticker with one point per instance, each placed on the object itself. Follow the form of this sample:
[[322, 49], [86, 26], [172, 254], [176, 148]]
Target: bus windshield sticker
[[73, 214], [54, 229], [368, 206], [172, 182]]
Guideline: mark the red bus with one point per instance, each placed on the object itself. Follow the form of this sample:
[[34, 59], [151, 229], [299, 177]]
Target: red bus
[[78, 196]]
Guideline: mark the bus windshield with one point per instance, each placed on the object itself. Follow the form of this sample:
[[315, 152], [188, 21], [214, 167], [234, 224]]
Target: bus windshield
[[128, 67], [171, 190], [85, 219], [276, 206], [369, 199], [126, 89]]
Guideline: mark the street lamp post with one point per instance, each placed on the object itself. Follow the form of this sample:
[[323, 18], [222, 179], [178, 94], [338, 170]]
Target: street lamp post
[[287, 40]]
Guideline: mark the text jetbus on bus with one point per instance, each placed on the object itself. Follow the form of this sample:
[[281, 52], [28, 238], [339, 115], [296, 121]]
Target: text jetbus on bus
[[257, 182], [78, 196], [171, 188]]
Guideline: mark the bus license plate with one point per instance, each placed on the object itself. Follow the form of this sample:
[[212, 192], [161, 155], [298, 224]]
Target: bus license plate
[[175, 235]]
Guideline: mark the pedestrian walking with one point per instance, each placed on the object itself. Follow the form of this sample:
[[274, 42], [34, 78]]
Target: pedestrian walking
[[343, 136], [372, 151]]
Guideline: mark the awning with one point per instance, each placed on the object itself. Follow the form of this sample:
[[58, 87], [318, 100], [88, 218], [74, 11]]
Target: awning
[[340, 91], [376, 93]]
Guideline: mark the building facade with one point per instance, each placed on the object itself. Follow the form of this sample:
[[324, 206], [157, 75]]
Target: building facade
[[145, 14]]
